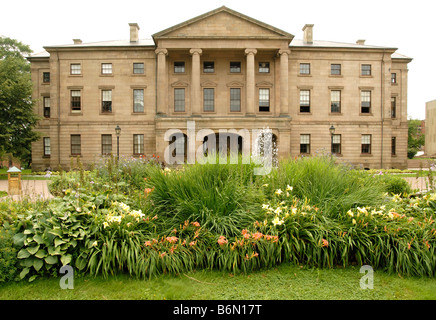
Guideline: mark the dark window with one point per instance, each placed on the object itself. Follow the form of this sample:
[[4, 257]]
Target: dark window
[[235, 67], [76, 100], [75, 68], [106, 144], [75, 144], [235, 99], [46, 103], [179, 67], [138, 68], [46, 77], [106, 68], [179, 99], [138, 144], [264, 67], [394, 146], [365, 100], [304, 68], [208, 99], [264, 101], [138, 100], [305, 143], [336, 144], [304, 100], [393, 107], [106, 101], [366, 70], [335, 69], [47, 149], [366, 143], [208, 67], [393, 78]]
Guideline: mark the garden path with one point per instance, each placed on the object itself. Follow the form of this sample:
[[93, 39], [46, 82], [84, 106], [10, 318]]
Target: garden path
[[420, 183], [32, 189]]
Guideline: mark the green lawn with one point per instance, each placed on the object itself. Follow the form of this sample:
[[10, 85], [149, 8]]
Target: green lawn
[[287, 282]]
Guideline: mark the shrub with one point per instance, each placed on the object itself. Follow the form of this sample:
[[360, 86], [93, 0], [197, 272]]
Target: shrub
[[394, 184], [8, 255], [333, 188], [222, 198]]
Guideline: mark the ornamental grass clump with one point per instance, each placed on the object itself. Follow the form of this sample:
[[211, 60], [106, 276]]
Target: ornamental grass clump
[[223, 198]]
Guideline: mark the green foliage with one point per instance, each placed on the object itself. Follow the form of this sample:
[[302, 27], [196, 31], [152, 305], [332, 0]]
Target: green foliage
[[223, 198], [8, 255], [17, 118], [416, 139]]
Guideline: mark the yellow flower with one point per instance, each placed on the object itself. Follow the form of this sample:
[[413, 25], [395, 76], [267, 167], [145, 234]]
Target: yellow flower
[[289, 188], [294, 210], [277, 221], [350, 213], [354, 221], [265, 206], [278, 210], [265, 185], [279, 192]]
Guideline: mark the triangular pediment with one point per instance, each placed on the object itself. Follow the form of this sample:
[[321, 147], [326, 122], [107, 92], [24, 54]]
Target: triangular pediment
[[223, 23]]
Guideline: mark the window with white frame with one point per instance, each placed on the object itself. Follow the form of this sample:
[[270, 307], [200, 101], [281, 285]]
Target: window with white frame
[[264, 100], [106, 101], [138, 144], [138, 100], [366, 144], [179, 99], [304, 143], [235, 99]]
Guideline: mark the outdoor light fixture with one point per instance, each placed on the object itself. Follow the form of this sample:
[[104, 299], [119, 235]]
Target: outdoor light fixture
[[118, 132], [332, 132]]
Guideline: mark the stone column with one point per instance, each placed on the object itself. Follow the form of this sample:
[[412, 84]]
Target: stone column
[[162, 82], [250, 82], [195, 82], [284, 82]]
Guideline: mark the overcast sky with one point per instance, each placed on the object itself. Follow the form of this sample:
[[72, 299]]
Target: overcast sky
[[407, 25]]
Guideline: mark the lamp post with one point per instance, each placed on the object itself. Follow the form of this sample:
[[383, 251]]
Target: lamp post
[[118, 132], [332, 132]]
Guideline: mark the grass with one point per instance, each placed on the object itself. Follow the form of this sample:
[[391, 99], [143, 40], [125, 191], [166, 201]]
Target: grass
[[286, 282]]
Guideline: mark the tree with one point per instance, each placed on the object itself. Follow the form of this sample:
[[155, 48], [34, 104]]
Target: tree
[[17, 117], [416, 138]]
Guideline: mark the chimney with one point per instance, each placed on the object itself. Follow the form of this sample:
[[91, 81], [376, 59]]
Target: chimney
[[77, 41], [308, 33], [360, 42], [134, 32]]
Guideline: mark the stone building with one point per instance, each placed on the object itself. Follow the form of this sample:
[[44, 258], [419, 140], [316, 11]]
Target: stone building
[[221, 70]]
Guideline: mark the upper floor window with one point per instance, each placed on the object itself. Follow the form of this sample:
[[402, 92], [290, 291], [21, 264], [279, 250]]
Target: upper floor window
[[179, 99], [263, 67], [138, 68], [46, 110], [106, 101], [208, 99], [335, 69], [304, 100], [106, 68], [394, 146], [76, 104], [235, 67], [235, 99], [393, 78], [365, 101], [264, 101], [138, 100], [75, 68], [365, 70], [179, 67], [46, 77], [393, 107], [335, 101], [304, 68], [208, 67]]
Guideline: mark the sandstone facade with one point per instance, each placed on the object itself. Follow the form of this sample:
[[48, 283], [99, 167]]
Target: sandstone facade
[[223, 70]]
